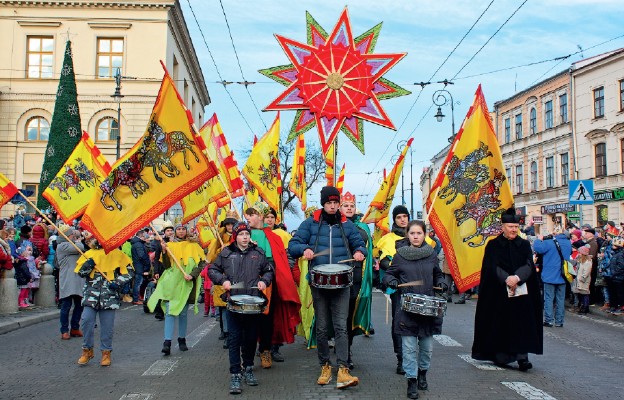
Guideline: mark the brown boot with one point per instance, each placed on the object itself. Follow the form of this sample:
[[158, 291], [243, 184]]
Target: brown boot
[[345, 379], [87, 354], [106, 358], [265, 359], [326, 375], [75, 333]]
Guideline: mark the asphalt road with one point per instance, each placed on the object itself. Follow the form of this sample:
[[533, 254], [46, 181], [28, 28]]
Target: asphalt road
[[582, 360]]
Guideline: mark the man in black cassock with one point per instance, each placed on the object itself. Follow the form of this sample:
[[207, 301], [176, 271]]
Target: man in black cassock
[[508, 322]]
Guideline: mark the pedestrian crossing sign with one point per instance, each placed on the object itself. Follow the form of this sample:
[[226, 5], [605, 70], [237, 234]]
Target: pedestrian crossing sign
[[581, 192]]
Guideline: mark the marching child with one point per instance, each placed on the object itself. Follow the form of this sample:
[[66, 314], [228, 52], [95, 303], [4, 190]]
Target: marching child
[[209, 308], [416, 262], [245, 265]]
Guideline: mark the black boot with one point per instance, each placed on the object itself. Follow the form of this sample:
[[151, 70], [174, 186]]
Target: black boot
[[182, 344], [166, 347], [225, 341], [399, 368], [422, 379], [412, 388]]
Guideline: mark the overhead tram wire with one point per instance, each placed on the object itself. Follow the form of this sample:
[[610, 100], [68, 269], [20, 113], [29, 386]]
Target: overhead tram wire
[[245, 82], [217, 68], [423, 87]]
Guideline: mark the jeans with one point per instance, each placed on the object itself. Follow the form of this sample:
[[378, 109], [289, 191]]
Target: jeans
[[107, 325], [242, 338], [425, 348], [554, 293], [66, 303], [136, 288], [170, 322], [331, 305]]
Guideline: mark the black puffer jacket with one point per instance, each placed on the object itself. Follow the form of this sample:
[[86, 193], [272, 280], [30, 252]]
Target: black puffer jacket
[[248, 266], [415, 264], [616, 265]]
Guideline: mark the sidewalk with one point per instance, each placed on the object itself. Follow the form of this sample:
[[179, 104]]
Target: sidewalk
[[26, 317]]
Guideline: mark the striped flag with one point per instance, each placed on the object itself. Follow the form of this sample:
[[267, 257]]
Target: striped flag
[[330, 160], [73, 187], [341, 177], [7, 190], [297, 181]]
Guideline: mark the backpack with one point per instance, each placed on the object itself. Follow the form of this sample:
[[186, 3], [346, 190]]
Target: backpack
[[22, 274]]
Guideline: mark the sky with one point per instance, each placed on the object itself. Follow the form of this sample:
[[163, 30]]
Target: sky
[[430, 32]]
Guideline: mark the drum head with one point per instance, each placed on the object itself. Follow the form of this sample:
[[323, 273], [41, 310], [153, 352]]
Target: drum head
[[331, 268], [246, 299]]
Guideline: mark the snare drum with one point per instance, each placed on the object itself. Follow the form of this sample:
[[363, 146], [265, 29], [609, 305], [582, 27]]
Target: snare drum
[[423, 305], [331, 276], [246, 304]]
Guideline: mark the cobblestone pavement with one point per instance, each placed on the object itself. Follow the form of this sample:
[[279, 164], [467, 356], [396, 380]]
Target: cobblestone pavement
[[582, 360]]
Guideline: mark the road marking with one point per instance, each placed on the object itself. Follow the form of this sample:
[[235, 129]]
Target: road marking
[[484, 365], [131, 307], [447, 341], [161, 367], [136, 396], [198, 334], [578, 345], [615, 324], [527, 391]]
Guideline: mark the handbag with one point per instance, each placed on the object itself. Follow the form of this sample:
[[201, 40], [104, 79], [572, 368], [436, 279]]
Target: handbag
[[567, 269]]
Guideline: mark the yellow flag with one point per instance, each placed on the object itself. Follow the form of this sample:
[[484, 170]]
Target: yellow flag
[[165, 165], [340, 180], [206, 227], [297, 180], [224, 157], [7, 190], [71, 190], [196, 202], [262, 167], [469, 195], [379, 208], [330, 161]]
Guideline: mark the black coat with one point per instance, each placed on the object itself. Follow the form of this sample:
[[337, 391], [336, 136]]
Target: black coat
[[406, 268], [506, 325]]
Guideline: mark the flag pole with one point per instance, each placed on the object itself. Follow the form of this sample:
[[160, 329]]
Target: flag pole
[[175, 260], [59, 231], [213, 228]]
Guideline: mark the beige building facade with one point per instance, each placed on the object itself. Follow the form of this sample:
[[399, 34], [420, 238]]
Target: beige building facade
[[106, 35], [598, 90]]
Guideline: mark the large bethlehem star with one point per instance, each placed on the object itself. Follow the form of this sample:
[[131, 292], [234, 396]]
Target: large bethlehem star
[[335, 82]]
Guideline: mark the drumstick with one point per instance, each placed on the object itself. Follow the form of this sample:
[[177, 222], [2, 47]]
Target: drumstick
[[345, 261], [387, 303], [321, 253], [412, 283]]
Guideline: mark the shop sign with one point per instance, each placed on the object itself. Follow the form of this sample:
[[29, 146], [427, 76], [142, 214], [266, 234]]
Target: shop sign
[[609, 195], [558, 208], [538, 219]]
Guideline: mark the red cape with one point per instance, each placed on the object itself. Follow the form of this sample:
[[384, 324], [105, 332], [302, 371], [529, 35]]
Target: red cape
[[285, 295]]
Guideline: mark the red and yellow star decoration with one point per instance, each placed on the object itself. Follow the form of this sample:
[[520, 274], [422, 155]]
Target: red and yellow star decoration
[[335, 82]]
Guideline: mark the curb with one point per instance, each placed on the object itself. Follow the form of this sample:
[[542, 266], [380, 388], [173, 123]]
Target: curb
[[28, 321]]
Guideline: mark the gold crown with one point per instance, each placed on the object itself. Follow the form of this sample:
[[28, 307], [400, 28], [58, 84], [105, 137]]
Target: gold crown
[[347, 198], [261, 207], [231, 214]]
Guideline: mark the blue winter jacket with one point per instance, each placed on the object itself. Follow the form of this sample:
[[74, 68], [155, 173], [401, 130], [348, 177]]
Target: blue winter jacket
[[330, 236], [551, 268]]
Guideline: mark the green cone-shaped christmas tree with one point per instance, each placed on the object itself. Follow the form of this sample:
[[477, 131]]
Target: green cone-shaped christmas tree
[[65, 131]]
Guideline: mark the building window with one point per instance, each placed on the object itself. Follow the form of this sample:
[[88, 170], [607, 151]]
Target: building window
[[37, 128], [519, 179], [599, 102], [507, 130], [107, 129], [508, 174], [534, 176], [563, 108], [622, 153], [550, 172], [602, 214], [109, 56], [34, 188], [601, 159], [548, 114], [533, 121], [40, 57], [565, 169], [518, 126], [622, 95]]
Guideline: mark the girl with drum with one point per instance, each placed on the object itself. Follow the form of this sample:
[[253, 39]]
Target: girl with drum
[[420, 315], [244, 271]]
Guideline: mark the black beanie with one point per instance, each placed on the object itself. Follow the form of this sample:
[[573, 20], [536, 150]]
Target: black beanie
[[239, 227], [329, 193], [25, 230], [398, 210]]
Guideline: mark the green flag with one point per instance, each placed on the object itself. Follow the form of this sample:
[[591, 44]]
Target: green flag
[[65, 130], [362, 313]]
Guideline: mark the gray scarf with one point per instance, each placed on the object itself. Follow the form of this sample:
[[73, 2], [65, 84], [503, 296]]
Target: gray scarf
[[412, 253]]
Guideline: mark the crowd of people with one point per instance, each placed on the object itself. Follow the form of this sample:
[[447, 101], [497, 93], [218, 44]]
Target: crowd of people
[[250, 277]]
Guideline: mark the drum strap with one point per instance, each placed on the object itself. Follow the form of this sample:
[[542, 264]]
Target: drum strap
[[344, 238]]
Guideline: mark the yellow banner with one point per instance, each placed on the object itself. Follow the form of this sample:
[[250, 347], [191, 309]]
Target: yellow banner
[[71, 190], [469, 195], [166, 164], [297, 180]]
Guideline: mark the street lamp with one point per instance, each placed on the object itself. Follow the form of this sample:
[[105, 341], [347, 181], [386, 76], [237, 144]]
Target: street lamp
[[441, 98], [117, 96]]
